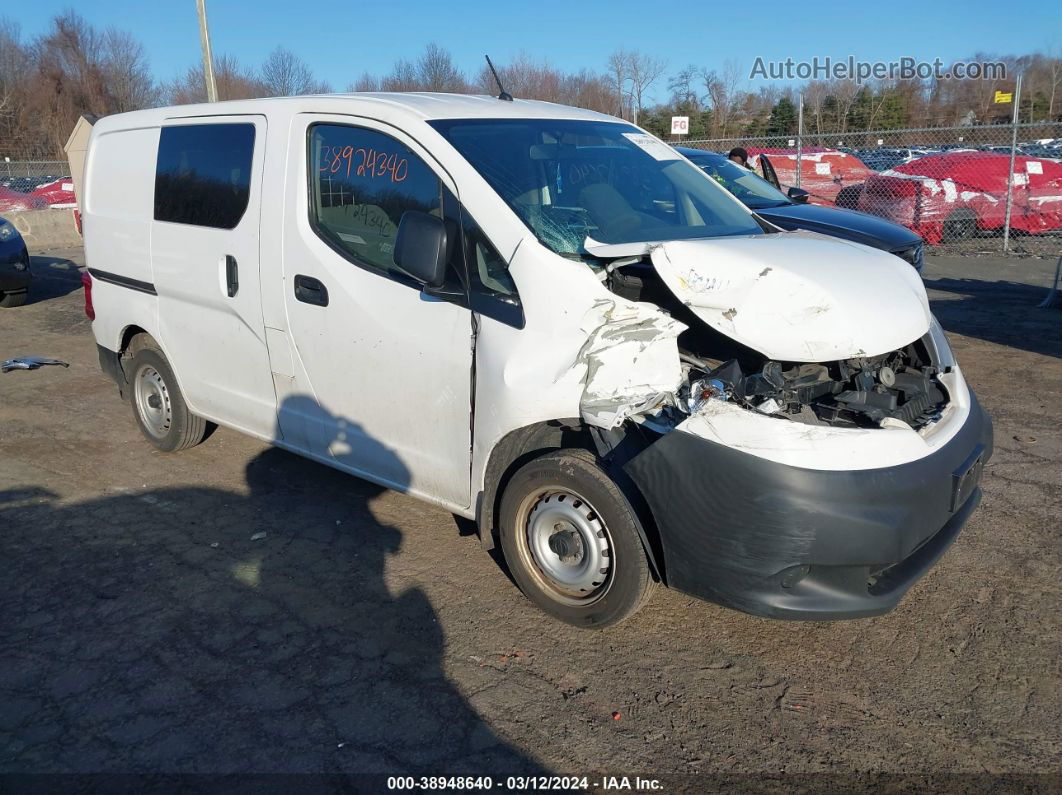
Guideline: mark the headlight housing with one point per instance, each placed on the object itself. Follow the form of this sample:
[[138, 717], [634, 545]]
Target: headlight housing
[[941, 353], [914, 255]]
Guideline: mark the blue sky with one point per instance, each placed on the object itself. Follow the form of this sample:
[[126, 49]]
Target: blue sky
[[341, 40]]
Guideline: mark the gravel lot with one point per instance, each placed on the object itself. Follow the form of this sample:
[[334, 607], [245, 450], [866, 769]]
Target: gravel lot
[[238, 609]]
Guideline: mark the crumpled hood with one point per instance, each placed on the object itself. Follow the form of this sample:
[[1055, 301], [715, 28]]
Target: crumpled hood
[[798, 296]]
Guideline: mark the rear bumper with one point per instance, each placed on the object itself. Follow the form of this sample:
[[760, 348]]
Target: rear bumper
[[785, 542]]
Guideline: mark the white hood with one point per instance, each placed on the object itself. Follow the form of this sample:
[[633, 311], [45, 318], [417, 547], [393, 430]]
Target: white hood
[[798, 296]]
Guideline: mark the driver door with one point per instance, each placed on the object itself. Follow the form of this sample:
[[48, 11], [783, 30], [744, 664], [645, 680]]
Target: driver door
[[382, 371]]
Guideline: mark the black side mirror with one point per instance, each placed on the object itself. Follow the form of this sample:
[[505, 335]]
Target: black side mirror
[[799, 195], [420, 248]]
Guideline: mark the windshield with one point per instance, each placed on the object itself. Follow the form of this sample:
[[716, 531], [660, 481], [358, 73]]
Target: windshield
[[569, 180], [750, 188]]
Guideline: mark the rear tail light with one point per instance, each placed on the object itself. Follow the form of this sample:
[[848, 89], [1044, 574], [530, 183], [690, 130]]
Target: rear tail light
[[86, 280]]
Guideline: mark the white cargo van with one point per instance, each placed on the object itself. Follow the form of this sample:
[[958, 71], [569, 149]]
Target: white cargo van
[[545, 320]]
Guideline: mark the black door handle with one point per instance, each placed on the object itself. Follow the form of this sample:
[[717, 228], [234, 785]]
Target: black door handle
[[310, 291], [232, 275]]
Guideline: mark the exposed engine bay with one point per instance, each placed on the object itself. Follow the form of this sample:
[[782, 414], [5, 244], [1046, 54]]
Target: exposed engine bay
[[869, 392], [895, 389]]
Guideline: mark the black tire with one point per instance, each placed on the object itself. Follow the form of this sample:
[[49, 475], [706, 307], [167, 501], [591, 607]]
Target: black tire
[[575, 476], [11, 300], [150, 375], [849, 197], [961, 224]]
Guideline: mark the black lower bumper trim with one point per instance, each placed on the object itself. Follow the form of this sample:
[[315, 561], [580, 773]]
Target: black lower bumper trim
[[787, 542], [111, 365]]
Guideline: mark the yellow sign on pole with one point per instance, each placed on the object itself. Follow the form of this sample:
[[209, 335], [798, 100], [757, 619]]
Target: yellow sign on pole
[[1004, 97]]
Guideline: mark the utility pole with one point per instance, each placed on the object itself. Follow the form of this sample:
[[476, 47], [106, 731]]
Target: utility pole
[[208, 59], [1010, 172]]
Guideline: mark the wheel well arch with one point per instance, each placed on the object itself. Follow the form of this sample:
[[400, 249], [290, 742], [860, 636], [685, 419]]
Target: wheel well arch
[[519, 446], [128, 333]]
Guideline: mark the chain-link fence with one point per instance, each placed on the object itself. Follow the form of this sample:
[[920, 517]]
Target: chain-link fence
[[28, 183], [966, 190]]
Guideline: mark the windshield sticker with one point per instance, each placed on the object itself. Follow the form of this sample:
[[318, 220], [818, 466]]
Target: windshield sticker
[[654, 147]]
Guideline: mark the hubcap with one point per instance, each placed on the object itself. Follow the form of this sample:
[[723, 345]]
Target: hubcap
[[153, 401], [569, 546]]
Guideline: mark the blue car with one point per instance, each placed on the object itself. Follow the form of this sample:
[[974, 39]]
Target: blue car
[[15, 272], [793, 212]]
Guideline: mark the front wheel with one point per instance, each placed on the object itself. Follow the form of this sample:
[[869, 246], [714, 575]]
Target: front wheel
[[158, 405], [11, 300], [572, 541]]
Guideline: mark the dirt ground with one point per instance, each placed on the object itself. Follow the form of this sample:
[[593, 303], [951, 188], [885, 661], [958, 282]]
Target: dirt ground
[[235, 609]]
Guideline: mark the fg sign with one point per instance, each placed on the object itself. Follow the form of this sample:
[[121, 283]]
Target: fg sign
[[680, 125]]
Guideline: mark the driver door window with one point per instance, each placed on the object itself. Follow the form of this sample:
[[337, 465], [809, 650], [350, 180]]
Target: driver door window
[[361, 182]]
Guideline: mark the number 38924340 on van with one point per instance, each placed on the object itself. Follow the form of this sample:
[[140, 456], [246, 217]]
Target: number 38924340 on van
[[545, 320]]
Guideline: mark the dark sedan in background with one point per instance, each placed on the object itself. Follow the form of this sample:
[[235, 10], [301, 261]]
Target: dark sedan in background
[[14, 266], [792, 212]]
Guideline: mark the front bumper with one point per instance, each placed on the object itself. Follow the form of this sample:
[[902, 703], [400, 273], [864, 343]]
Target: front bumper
[[15, 275], [785, 542]]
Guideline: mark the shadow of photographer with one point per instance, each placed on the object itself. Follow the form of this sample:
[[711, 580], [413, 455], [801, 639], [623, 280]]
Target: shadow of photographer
[[194, 629]]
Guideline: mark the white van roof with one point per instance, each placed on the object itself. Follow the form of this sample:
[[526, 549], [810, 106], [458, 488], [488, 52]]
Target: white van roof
[[419, 105]]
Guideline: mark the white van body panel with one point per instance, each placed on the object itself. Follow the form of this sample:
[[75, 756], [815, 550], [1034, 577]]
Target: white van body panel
[[523, 376], [383, 374], [216, 341]]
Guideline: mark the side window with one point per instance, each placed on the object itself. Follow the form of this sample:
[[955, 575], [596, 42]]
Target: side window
[[203, 174], [492, 291], [361, 182]]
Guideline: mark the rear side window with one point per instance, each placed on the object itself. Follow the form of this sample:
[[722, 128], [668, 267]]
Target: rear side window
[[203, 174], [361, 182]]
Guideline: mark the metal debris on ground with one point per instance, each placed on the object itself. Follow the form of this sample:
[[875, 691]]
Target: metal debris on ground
[[29, 363]]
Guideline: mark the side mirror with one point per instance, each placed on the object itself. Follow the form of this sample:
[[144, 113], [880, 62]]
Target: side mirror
[[799, 195], [420, 248]]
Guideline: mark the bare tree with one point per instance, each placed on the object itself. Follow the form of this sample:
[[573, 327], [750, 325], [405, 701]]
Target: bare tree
[[403, 77], [367, 82], [644, 71], [284, 74], [619, 75], [127, 71], [436, 71], [721, 92]]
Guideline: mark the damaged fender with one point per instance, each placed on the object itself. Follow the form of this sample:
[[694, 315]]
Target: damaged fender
[[630, 360]]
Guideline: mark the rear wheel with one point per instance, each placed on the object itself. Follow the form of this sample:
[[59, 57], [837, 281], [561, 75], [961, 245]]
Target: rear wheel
[[158, 405], [572, 541], [959, 225]]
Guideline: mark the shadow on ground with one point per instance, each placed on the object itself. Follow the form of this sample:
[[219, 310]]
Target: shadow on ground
[[1002, 312], [202, 630], [53, 277]]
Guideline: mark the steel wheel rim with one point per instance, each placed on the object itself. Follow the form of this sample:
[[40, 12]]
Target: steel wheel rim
[[153, 401], [566, 545]]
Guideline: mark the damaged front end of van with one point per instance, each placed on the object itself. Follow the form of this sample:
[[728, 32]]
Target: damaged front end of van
[[807, 445]]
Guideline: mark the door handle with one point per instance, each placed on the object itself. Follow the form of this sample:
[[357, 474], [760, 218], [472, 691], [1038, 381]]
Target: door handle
[[310, 291], [232, 275]]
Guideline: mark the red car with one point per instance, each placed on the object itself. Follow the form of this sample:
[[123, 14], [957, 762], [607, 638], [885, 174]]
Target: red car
[[951, 196], [11, 201], [59, 193], [829, 176]]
